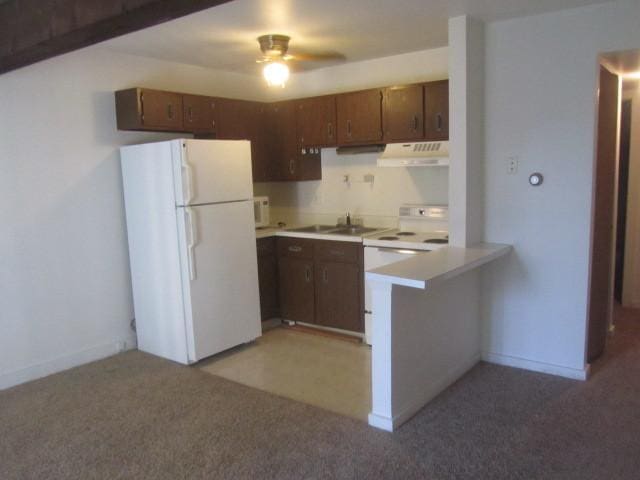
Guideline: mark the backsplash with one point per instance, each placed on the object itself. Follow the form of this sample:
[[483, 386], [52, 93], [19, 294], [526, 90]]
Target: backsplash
[[377, 203]]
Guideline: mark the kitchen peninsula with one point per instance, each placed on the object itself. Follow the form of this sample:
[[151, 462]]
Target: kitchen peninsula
[[426, 330]]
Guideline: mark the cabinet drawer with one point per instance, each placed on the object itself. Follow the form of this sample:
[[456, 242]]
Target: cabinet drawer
[[266, 246], [295, 247], [338, 251]]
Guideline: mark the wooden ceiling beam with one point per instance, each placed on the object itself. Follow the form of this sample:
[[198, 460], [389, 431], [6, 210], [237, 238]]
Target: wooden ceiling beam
[[34, 30]]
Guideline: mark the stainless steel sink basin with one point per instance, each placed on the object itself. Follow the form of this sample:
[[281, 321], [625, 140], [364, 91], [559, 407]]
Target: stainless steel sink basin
[[353, 230], [313, 229]]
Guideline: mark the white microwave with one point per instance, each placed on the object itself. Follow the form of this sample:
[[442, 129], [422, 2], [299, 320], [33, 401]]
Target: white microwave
[[261, 211]]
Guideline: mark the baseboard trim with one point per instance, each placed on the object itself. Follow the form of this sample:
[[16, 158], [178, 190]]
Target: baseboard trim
[[429, 392], [549, 368], [383, 423], [39, 370]]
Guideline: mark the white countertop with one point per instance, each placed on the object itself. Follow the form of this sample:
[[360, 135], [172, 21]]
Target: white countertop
[[285, 232], [424, 271]]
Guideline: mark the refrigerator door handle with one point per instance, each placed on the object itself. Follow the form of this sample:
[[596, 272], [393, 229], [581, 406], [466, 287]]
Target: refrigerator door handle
[[187, 187], [192, 240]]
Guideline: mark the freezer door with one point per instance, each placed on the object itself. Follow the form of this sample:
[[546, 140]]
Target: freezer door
[[212, 171], [220, 277]]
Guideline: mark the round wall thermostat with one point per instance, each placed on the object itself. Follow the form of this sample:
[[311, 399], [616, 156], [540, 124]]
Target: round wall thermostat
[[536, 179]]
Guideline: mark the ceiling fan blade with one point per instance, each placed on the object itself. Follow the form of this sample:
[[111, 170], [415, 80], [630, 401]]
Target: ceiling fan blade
[[318, 56]]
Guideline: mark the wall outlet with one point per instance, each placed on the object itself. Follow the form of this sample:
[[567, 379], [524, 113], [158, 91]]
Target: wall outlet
[[512, 165]]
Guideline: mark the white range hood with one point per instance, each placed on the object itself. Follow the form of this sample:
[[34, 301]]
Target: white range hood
[[418, 154]]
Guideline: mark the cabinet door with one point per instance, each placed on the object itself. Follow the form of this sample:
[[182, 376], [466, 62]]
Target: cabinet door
[[234, 119], [199, 113], [282, 131], [359, 117], [268, 278], [316, 121], [338, 290], [436, 110], [403, 113], [297, 295], [260, 156], [161, 110]]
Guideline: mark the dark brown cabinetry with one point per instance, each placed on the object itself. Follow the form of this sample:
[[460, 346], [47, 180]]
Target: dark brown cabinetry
[[403, 114], [359, 117], [289, 162], [268, 278], [339, 288], [436, 110], [199, 113], [144, 109], [321, 282], [296, 279], [316, 122], [235, 118], [286, 137]]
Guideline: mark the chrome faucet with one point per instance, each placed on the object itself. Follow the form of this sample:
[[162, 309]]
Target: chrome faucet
[[348, 219]]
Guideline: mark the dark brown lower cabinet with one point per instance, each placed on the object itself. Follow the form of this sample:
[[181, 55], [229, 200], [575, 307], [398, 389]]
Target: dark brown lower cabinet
[[268, 278], [321, 282], [338, 295], [297, 290]]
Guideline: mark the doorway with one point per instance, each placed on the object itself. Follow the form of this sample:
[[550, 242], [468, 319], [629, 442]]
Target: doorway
[[601, 295]]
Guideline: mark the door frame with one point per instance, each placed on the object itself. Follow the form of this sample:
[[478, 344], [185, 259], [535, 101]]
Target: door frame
[[602, 64]]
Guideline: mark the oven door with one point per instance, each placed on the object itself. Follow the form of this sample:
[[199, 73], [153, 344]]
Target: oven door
[[375, 257]]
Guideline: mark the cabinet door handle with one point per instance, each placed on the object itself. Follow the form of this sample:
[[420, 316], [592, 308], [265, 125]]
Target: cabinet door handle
[[291, 167], [325, 276], [295, 248], [415, 123], [349, 127], [170, 112], [330, 130], [190, 113], [307, 274], [439, 122]]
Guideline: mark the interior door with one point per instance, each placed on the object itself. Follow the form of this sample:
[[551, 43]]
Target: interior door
[[212, 171], [601, 294], [220, 276]]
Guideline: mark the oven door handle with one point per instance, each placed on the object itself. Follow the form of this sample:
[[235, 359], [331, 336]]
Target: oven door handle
[[405, 251]]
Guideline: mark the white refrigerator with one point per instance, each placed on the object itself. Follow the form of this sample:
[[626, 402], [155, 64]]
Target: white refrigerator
[[192, 247]]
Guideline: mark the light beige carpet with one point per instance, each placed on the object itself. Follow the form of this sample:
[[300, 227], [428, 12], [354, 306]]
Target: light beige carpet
[[134, 416]]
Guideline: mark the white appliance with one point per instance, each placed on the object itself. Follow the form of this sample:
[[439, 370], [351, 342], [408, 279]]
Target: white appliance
[[192, 248], [422, 228], [261, 211], [418, 154]]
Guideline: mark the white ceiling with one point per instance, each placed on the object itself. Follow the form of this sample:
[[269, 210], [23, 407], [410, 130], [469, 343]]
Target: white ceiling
[[224, 37]]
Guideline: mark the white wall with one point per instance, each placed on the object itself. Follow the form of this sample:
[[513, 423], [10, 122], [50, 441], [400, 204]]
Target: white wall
[[65, 293], [541, 74], [631, 281], [324, 200]]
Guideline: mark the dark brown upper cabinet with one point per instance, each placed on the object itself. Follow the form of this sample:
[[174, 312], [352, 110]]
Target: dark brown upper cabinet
[[403, 113], [288, 162], [200, 113], [316, 122], [235, 119], [359, 117], [145, 109], [436, 110]]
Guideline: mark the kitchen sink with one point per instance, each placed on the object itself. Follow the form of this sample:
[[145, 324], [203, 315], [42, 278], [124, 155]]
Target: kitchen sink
[[313, 229], [354, 230]]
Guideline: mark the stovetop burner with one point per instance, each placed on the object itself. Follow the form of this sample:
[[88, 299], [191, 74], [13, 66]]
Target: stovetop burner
[[436, 240], [405, 234], [387, 238]]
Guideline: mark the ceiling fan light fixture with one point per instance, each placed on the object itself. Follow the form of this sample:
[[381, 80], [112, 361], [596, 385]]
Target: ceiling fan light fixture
[[276, 74]]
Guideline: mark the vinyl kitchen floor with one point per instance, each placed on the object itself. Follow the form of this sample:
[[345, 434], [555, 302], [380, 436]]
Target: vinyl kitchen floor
[[325, 372]]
